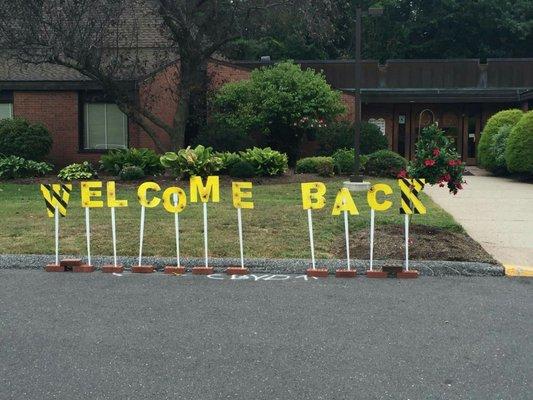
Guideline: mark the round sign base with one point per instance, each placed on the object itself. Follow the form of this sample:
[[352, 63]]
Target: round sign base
[[112, 269], [203, 270], [237, 271], [345, 273], [142, 269], [318, 272], [376, 274], [170, 270], [84, 268], [54, 268], [407, 275]]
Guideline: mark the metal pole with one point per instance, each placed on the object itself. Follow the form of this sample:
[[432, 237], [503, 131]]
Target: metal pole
[[88, 234], [141, 236], [356, 177], [56, 221], [114, 235], [241, 243], [406, 219], [177, 231], [206, 251], [311, 239]]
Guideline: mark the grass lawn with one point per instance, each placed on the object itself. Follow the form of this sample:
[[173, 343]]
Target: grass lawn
[[276, 228]]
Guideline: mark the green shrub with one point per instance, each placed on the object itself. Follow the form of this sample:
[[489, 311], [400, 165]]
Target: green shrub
[[385, 163], [242, 169], [199, 161], [326, 169], [486, 158], [14, 167], [519, 151], [20, 138], [312, 165], [131, 173], [228, 160], [436, 160], [223, 138], [344, 160], [341, 135], [267, 162], [146, 159], [77, 172], [283, 103], [497, 148]]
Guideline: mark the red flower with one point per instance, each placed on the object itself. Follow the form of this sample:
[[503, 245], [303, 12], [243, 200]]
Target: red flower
[[436, 152], [451, 163], [402, 174], [429, 162], [459, 186]]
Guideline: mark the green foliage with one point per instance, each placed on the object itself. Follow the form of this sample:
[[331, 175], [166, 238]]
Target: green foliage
[[519, 150], [131, 173], [13, 167], [77, 172], [20, 138], [146, 159], [385, 163], [486, 158], [242, 169], [497, 148], [228, 160], [267, 162], [222, 137], [341, 135], [199, 161], [315, 165], [283, 103], [344, 160], [436, 160]]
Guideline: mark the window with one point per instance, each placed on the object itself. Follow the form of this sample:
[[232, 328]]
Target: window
[[6, 110], [105, 127]]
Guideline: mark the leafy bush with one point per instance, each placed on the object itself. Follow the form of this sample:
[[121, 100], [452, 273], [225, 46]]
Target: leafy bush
[[242, 169], [267, 162], [436, 160], [385, 163], [14, 167], [486, 158], [282, 102], [325, 169], [228, 160], [312, 165], [344, 160], [519, 151], [146, 159], [20, 138], [222, 137], [341, 135], [199, 161], [131, 173], [77, 171], [497, 148]]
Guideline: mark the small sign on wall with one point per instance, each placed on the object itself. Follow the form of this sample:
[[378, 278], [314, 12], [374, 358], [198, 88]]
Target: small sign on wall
[[379, 122], [401, 119]]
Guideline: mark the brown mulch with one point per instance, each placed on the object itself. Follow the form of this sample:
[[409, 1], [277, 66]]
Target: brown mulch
[[426, 243]]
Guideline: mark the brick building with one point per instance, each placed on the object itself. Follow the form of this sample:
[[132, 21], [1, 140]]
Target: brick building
[[400, 96]]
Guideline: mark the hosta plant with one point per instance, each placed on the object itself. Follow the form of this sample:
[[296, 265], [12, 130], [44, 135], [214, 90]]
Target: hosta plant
[[199, 161], [267, 162]]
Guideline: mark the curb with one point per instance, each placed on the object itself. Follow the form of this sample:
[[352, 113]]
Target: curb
[[264, 265], [518, 271]]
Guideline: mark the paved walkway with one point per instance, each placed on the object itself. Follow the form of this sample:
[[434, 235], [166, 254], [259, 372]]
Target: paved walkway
[[496, 212]]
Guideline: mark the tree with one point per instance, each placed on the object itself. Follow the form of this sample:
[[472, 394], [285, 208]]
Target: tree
[[283, 103], [118, 42]]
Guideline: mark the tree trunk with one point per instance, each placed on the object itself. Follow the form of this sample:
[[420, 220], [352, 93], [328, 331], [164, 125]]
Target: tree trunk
[[177, 137]]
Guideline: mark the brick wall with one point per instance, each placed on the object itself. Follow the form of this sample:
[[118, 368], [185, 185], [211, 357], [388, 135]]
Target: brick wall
[[58, 111]]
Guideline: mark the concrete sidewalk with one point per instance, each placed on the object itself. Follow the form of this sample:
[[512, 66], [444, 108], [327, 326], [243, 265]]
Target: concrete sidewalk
[[497, 212]]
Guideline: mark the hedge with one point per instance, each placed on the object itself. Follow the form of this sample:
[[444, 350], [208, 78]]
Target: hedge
[[486, 158], [519, 150]]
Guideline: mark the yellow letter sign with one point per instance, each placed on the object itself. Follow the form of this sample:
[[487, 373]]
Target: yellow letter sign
[[313, 195]]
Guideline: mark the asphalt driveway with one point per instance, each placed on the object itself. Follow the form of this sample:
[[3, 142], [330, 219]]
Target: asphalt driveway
[[95, 336]]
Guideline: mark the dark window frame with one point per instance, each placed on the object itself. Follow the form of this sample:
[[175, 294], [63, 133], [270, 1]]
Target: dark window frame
[[94, 97]]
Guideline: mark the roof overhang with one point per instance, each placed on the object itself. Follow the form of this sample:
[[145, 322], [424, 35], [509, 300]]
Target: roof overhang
[[55, 85], [440, 95]]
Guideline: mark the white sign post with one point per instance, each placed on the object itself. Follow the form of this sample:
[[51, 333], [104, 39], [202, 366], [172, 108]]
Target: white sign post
[[56, 222], [88, 234], [177, 230], [372, 218], [206, 250], [311, 237], [406, 226], [241, 243], [140, 268]]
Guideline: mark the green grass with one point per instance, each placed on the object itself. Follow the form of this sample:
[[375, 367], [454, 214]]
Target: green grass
[[276, 228]]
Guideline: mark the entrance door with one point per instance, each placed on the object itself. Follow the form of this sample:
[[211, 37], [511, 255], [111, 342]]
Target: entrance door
[[402, 129], [471, 133]]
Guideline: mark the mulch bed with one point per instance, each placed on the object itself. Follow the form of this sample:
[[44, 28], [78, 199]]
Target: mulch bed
[[426, 243]]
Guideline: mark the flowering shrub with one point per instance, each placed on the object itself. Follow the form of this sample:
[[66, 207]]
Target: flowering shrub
[[436, 161]]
